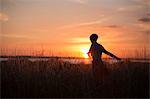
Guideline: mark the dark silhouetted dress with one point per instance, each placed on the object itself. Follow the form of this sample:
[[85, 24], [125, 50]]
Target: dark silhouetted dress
[[99, 70]]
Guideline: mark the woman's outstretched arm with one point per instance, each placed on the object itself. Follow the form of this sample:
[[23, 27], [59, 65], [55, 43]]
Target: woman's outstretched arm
[[110, 54]]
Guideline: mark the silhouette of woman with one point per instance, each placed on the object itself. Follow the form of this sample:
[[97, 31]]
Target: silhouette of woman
[[100, 72]]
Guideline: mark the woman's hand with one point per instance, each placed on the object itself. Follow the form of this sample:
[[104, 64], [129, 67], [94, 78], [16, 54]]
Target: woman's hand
[[89, 54], [118, 58]]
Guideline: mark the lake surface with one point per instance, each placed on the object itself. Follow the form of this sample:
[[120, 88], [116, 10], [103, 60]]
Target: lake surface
[[78, 61]]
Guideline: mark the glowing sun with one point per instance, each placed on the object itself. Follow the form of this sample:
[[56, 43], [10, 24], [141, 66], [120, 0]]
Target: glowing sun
[[84, 52]]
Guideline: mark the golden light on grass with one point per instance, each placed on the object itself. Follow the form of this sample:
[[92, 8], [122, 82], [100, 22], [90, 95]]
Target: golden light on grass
[[84, 52]]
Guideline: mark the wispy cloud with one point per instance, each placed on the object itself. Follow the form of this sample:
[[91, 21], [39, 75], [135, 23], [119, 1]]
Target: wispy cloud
[[112, 26], [85, 23], [78, 41], [3, 17], [147, 2], [16, 36], [145, 20], [79, 1], [129, 8]]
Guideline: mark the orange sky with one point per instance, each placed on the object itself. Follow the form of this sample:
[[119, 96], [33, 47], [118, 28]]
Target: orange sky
[[63, 27]]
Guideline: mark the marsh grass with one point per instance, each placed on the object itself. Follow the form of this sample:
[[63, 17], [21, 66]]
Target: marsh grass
[[58, 79]]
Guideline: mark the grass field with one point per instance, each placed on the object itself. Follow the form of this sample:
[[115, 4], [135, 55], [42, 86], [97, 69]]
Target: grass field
[[57, 79]]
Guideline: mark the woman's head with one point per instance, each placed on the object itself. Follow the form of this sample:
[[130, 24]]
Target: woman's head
[[93, 37]]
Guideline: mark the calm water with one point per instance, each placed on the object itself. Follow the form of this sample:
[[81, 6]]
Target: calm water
[[78, 61]]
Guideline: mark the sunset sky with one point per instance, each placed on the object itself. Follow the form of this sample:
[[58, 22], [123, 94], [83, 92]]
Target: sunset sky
[[63, 27]]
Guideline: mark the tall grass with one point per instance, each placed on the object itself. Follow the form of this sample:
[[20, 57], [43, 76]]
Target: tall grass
[[55, 78]]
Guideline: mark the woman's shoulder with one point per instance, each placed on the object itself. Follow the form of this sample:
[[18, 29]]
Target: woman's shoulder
[[99, 44]]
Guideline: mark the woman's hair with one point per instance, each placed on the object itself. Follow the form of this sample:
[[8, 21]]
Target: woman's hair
[[93, 37]]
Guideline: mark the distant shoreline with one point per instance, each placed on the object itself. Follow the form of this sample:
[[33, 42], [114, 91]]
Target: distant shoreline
[[62, 57]]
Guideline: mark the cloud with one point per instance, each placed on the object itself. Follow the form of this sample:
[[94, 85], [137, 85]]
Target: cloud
[[130, 8], [78, 41], [3, 17], [16, 36], [85, 23], [112, 26], [13, 40], [144, 2], [79, 1], [147, 32], [145, 20]]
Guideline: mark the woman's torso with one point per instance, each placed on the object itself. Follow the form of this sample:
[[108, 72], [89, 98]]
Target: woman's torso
[[96, 52]]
